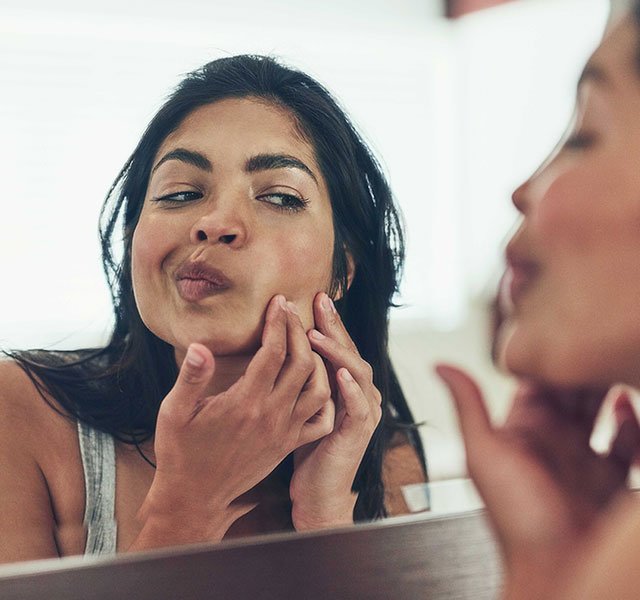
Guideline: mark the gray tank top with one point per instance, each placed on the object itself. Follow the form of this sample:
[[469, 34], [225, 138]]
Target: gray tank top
[[99, 464]]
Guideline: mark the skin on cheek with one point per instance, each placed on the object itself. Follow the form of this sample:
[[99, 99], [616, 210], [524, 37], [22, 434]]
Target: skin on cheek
[[303, 267], [146, 251]]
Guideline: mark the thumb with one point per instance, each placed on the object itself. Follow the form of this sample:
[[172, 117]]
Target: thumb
[[195, 374], [473, 417]]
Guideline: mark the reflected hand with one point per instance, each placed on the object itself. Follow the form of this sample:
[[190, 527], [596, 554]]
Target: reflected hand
[[543, 485], [324, 471]]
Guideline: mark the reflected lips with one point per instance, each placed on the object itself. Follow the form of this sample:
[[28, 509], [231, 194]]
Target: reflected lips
[[196, 281], [520, 273]]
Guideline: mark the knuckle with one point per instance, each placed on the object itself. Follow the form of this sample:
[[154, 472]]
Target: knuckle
[[190, 377], [304, 364], [364, 370], [326, 427], [308, 364], [318, 363], [378, 398], [320, 397], [251, 416]]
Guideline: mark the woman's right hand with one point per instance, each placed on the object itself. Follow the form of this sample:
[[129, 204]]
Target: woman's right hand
[[210, 450], [545, 489]]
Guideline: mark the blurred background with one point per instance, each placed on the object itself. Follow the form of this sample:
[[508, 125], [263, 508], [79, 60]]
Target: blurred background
[[461, 100]]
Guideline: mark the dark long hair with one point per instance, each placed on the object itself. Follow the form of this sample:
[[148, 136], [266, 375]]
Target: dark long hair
[[119, 388]]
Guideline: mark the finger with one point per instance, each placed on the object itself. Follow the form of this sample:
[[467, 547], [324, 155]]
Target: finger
[[475, 424], [360, 418], [315, 393], [187, 396], [341, 357], [626, 445], [622, 407], [329, 323], [264, 368], [319, 425], [300, 363]]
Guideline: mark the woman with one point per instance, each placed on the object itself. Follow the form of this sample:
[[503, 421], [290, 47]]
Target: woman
[[571, 331], [241, 399]]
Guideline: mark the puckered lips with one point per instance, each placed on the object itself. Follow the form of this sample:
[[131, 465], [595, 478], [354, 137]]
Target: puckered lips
[[198, 280], [521, 271]]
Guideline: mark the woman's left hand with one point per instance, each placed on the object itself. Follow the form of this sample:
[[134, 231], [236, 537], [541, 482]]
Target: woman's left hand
[[324, 470]]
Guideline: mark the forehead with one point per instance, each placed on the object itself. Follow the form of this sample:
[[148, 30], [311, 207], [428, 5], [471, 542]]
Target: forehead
[[247, 125]]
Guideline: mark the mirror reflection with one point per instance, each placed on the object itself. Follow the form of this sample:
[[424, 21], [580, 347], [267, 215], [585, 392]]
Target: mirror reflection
[[192, 399]]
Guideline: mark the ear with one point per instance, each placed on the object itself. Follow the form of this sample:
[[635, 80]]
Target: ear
[[351, 272]]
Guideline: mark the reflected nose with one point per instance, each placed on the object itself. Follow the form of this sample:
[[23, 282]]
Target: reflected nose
[[520, 197], [220, 227]]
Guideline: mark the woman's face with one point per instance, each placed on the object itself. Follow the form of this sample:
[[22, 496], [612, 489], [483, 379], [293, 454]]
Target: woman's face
[[574, 263], [236, 211]]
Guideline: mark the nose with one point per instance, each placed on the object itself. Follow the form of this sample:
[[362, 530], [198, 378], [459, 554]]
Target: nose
[[520, 197], [220, 226]]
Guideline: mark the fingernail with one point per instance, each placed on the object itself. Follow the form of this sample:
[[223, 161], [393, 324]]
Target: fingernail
[[194, 358], [316, 335], [346, 375], [292, 308], [282, 302]]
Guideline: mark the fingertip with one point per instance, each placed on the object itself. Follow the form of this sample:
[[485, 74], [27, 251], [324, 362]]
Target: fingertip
[[196, 356], [623, 408], [277, 306], [292, 309], [197, 366], [448, 373], [345, 375], [280, 301], [316, 335]]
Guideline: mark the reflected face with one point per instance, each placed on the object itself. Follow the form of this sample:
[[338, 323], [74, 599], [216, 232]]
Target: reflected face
[[574, 263], [236, 211]]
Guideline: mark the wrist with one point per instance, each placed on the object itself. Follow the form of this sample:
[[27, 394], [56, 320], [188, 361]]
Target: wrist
[[180, 516], [313, 517]]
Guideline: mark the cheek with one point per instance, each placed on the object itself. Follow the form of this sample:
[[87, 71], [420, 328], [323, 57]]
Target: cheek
[[302, 267], [148, 250], [561, 217]]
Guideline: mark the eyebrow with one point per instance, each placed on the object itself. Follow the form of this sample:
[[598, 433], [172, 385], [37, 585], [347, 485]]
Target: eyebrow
[[259, 162], [190, 157], [595, 73], [266, 162]]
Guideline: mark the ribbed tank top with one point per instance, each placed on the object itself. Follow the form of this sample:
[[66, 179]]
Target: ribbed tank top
[[99, 464]]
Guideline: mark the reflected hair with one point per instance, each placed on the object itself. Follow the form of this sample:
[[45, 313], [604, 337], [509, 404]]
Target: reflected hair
[[118, 388]]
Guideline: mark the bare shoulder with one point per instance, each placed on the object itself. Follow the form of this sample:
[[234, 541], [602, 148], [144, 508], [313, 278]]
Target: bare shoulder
[[27, 412], [37, 449], [401, 466]]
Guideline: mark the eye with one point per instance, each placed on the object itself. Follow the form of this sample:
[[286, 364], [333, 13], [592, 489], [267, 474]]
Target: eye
[[580, 141], [179, 197], [283, 201]]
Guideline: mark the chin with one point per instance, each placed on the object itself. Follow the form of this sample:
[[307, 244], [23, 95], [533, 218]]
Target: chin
[[225, 345], [555, 364]]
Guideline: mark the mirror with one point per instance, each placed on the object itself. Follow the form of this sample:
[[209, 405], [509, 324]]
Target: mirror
[[459, 112]]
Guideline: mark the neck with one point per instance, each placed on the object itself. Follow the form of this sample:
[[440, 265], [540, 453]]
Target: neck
[[227, 370]]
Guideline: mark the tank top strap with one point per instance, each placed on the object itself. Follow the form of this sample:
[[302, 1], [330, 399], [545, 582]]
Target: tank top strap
[[97, 449]]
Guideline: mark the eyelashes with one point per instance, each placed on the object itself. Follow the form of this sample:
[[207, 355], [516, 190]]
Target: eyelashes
[[278, 200], [580, 141], [286, 202], [178, 197]]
